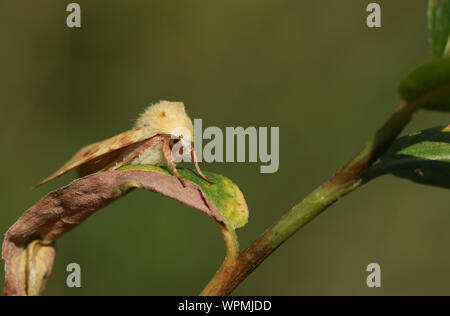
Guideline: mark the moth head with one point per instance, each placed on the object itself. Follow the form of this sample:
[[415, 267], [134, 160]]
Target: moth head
[[167, 117]]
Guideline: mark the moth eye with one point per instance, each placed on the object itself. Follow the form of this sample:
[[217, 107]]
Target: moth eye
[[172, 142]]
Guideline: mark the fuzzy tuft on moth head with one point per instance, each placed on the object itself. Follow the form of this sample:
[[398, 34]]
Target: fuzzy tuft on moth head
[[166, 117]]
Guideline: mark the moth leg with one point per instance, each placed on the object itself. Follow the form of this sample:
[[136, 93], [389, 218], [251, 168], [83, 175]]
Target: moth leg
[[140, 150], [194, 159], [168, 154]]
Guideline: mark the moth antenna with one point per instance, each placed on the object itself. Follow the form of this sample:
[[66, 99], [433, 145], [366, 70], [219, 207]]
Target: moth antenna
[[194, 158]]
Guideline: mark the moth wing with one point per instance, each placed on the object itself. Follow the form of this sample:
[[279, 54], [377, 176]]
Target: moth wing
[[94, 157]]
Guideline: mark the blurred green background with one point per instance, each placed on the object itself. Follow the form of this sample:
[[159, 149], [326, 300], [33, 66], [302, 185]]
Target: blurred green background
[[313, 68]]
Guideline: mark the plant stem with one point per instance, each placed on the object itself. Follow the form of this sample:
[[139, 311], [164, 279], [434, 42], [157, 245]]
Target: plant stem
[[347, 179], [229, 262]]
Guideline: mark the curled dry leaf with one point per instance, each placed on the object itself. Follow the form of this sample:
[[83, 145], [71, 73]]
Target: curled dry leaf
[[28, 251]]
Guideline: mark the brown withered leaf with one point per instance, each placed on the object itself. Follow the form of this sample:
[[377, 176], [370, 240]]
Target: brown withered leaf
[[27, 248]]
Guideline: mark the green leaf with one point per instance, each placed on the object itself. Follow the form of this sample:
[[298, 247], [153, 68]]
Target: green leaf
[[423, 157], [439, 26], [223, 194], [429, 84]]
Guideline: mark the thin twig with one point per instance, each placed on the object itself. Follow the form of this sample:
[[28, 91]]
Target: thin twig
[[344, 181]]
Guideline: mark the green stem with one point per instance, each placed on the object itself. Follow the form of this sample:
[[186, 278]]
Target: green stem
[[229, 262], [347, 179]]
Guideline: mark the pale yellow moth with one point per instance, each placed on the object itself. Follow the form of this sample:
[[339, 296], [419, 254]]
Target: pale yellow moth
[[150, 141]]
